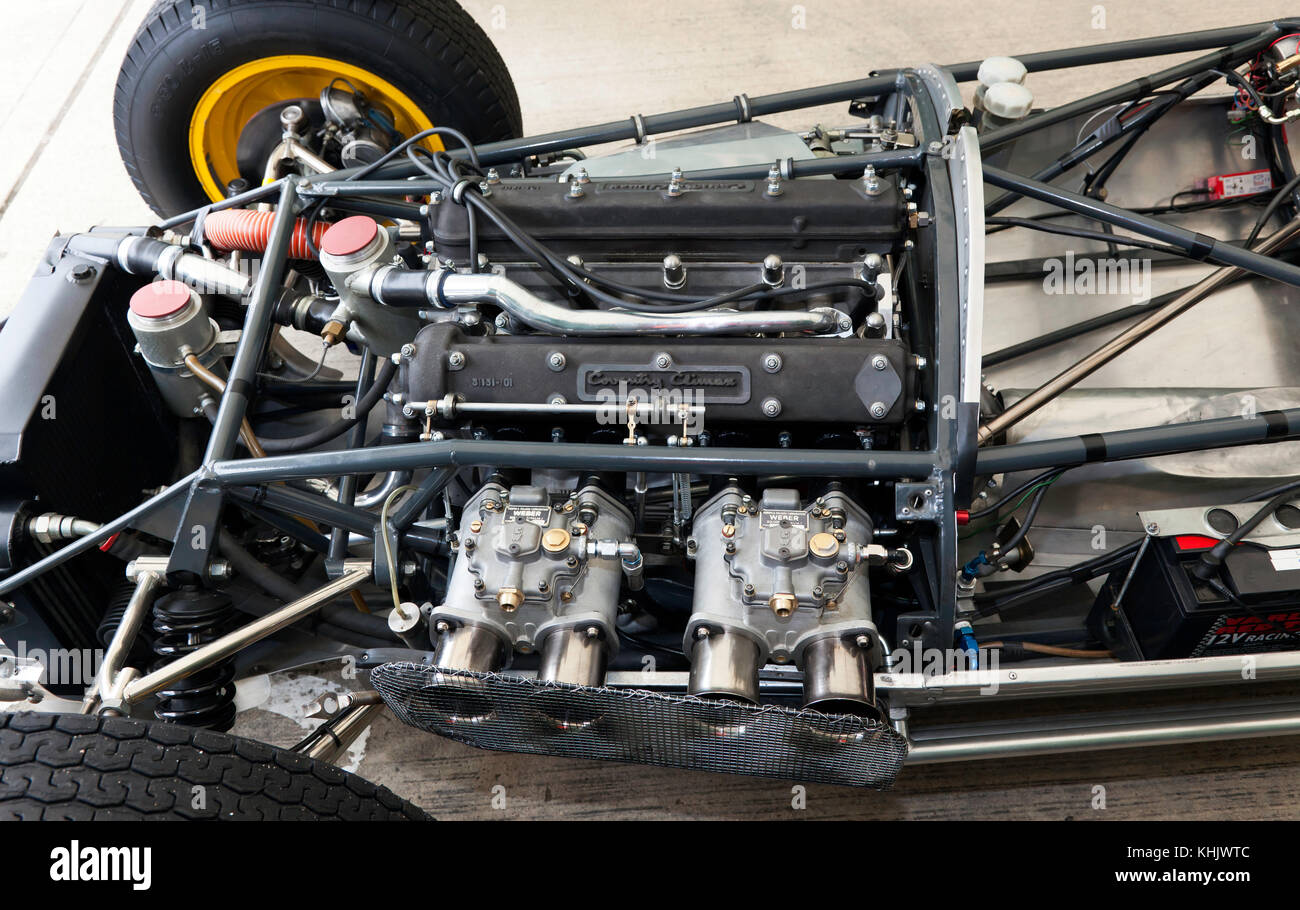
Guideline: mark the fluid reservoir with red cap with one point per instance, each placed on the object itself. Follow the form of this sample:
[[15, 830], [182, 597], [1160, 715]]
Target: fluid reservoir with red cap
[[354, 252], [169, 320]]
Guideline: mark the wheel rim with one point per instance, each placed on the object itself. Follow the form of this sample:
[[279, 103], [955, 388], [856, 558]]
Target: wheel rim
[[231, 101]]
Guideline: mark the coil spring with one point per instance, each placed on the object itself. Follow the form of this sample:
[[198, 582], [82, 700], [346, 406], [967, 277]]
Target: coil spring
[[185, 621]]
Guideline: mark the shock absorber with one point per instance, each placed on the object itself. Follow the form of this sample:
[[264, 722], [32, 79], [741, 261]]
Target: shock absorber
[[184, 621]]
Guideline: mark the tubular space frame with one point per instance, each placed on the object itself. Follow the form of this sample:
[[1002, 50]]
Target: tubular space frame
[[206, 488]]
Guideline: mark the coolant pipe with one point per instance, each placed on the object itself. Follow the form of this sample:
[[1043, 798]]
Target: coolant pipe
[[447, 289], [146, 256]]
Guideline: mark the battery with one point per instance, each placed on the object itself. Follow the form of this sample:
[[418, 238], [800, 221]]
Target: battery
[[1252, 606]]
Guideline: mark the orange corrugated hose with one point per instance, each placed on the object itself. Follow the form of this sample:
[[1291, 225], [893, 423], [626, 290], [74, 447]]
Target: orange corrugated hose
[[249, 232]]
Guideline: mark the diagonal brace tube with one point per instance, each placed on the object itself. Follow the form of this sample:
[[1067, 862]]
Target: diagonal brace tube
[[1197, 246]]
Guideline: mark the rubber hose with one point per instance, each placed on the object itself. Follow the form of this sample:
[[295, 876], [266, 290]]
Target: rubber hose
[[338, 428], [278, 586]]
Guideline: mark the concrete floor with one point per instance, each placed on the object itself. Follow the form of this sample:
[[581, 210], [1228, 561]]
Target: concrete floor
[[59, 170]]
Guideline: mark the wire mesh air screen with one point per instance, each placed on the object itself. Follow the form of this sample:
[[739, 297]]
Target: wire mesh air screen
[[512, 714]]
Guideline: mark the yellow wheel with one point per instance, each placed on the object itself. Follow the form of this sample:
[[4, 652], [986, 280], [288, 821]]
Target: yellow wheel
[[230, 104], [197, 103]]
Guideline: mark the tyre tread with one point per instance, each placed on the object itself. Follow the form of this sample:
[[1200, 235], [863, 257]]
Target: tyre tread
[[84, 767]]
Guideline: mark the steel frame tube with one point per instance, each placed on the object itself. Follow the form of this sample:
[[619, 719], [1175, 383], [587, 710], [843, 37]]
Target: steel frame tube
[[778, 102], [306, 505], [418, 501], [128, 628], [1191, 726], [1070, 678], [583, 456], [107, 530], [257, 329], [257, 194], [1114, 51], [638, 126], [1145, 442], [335, 743], [1229, 56], [1132, 129], [356, 439], [1077, 678], [241, 638], [1090, 363], [1197, 246]]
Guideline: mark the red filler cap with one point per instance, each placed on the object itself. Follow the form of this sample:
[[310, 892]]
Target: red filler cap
[[160, 299], [351, 235]]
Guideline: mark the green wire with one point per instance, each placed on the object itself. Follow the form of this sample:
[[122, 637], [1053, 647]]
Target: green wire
[[1019, 502]]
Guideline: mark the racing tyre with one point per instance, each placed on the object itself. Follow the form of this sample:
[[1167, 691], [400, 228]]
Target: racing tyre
[[69, 766]]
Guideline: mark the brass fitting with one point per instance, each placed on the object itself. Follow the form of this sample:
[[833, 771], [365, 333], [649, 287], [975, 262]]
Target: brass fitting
[[783, 605], [824, 544], [555, 540], [333, 332]]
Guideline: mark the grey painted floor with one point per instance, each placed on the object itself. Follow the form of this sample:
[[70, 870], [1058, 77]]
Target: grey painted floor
[[587, 63]]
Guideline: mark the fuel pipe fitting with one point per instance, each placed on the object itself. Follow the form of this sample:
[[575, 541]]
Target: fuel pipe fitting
[[627, 552]]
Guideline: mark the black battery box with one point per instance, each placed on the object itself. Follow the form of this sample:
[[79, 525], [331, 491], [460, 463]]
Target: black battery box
[[1253, 606]]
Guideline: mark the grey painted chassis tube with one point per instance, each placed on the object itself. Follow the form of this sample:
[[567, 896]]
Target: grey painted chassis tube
[[106, 530], [734, 110], [582, 456], [1103, 355], [257, 330], [726, 111], [1169, 439], [1221, 432], [1245, 40], [1196, 245]]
